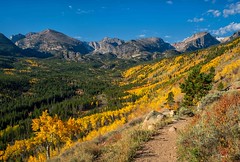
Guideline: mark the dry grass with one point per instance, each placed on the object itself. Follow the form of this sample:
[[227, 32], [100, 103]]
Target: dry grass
[[117, 146], [214, 135], [81, 152], [125, 147]]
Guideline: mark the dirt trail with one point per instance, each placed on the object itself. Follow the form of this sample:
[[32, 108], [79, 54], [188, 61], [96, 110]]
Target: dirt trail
[[162, 147]]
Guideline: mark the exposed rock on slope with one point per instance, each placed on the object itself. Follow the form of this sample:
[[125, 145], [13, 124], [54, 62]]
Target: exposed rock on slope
[[107, 45], [56, 43], [197, 41], [17, 37], [136, 49], [59, 44], [234, 36]]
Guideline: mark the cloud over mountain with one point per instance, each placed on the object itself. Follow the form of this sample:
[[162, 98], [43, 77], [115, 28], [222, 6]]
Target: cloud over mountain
[[229, 28]]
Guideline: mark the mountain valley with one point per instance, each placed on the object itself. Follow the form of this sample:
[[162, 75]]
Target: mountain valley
[[63, 99]]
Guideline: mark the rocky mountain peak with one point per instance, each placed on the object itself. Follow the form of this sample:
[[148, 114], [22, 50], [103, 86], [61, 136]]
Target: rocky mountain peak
[[17, 37], [142, 48], [113, 41], [56, 43], [196, 41], [153, 39], [196, 36], [30, 34], [234, 36]]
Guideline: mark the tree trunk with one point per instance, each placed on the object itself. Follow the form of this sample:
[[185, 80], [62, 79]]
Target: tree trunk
[[48, 151]]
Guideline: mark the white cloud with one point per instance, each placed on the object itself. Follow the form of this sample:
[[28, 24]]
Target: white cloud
[[141, 35], [169, 2], [167, 36], [80, 11], [229, 28], [78, 37], [216, 13], [232, 9], [196, 20], [70, 7]]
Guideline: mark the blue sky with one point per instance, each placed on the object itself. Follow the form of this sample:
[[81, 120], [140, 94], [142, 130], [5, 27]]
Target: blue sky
[[92, 20]]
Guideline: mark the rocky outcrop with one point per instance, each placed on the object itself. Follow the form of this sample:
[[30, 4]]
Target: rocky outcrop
[[146, 48], [143, 48], [107, 45], [17, 37], [234, 36], [56, 43], [195, 42], [155, 117], [152, 119]]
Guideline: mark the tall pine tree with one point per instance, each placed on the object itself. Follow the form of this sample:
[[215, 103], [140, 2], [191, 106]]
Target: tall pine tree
[[196, 85]]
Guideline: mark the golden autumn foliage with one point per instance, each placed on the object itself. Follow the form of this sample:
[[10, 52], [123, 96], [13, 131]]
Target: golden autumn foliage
[[51, 133], [151, 84], [32, 63], [9, 71]]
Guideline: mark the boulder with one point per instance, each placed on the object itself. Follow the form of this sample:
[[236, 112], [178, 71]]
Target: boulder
[[152, 119], [172, 129], [168, 113]]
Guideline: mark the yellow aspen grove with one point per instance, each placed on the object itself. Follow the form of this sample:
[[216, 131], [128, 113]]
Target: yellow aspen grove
[[49, 131]]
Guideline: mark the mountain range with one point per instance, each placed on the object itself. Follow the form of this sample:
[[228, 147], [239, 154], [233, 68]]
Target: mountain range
[[50, 42]]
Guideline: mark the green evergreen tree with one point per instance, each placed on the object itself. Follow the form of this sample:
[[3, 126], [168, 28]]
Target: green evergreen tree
[[170, 99], [196, 85]]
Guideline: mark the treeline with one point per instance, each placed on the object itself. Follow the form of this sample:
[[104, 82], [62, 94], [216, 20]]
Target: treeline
[[62, 88]]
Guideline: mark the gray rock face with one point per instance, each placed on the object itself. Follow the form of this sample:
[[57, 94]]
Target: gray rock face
[[56, 43], [134, 49], [197, 41], [107, 45], [17, 37], [234, 36], [152, 119]]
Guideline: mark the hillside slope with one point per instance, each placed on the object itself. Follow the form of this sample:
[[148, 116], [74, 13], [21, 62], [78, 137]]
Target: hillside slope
[[152, 82], [146, 88], [8, 48]]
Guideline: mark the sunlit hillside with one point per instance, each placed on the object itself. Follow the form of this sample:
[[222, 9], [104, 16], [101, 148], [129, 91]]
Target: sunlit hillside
[[146, 87], [154, 81]]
